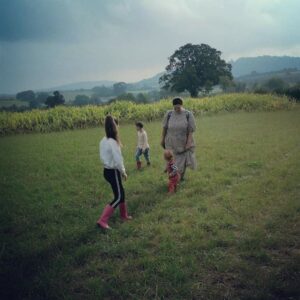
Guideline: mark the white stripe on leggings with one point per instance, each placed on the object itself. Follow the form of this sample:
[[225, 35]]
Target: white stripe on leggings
[[119, 192]]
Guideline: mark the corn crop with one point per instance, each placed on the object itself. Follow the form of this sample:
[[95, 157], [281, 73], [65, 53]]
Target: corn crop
[[63, 117]]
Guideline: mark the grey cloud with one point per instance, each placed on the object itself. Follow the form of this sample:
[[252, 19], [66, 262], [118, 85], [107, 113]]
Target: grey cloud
[[48, 42], [56, 20], [34, 20]]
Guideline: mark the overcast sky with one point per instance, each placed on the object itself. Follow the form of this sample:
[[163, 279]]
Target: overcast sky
[[45, 43]]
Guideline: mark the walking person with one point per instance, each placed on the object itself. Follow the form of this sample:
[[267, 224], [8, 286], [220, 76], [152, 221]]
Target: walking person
[[142, 145], [114, 171], [177, 135]]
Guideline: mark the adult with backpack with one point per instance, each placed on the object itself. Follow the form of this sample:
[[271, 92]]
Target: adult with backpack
[[177, 135]]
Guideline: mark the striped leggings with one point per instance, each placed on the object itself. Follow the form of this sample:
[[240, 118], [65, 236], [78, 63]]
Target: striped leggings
[[113, 176]]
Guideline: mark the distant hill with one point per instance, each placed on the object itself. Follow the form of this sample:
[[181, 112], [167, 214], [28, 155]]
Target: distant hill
[[263, 64], [290, 76], [84, 85], [151, 83], [247, 69], [144, 84]]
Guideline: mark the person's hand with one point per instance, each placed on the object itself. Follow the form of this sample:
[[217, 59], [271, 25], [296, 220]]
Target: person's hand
[[188, 146], [125, 176]]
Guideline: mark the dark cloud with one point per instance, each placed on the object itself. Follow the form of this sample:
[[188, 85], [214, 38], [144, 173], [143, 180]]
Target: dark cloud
[[56, 20], [34, 20], [48, 42]]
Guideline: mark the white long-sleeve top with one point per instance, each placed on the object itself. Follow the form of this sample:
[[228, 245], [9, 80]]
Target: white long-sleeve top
[[110, 154], [142, 141]]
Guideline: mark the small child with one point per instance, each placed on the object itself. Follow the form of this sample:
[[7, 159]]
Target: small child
[[172, 171], [142, 145]]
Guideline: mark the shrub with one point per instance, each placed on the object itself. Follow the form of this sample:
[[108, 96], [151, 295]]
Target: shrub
[[62, 117]]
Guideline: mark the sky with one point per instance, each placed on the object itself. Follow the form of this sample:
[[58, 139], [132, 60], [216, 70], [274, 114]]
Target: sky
[[47, 43]]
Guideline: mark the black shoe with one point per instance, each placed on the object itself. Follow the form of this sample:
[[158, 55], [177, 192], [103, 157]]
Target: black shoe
[[148, 163]]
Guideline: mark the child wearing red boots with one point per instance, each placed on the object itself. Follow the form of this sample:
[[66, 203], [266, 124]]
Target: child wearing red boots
[[172, 171], [114, 170], [142, 145]]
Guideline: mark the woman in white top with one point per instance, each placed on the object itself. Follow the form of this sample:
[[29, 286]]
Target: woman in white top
[[114, 170]]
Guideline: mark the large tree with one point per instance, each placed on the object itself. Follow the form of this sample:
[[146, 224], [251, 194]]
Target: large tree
[[56, 99], [194, 68], [120, 88], [26, 96]]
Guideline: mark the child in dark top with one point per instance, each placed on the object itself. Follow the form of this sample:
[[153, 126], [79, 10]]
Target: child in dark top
[[172, 171]]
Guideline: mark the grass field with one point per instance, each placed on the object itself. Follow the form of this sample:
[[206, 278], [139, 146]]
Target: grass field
[[7, 103], [231, 232]]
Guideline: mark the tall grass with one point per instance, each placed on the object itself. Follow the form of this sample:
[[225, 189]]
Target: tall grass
[[61, 118]]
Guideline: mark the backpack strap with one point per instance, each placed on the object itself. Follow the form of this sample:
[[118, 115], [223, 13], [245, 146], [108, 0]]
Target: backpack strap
[[187, 113], [168, 117]]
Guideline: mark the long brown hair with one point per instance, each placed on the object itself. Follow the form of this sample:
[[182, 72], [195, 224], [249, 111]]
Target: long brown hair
[[111, 129]]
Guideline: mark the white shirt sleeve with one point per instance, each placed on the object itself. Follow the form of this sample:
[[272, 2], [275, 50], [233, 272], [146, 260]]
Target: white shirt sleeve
[[145, 140], [117, 157]]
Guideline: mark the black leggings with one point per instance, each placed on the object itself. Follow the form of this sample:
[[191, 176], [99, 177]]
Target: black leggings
[[113, 176]]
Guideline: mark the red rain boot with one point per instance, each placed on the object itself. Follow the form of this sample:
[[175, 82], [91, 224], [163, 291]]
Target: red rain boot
[[106, 214], [138, 165], [123, 212]]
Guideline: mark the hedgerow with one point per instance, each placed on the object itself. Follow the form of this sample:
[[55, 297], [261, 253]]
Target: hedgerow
[[66, 117]]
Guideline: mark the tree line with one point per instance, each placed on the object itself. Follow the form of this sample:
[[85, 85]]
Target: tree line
[[36, 100], [192, 69]]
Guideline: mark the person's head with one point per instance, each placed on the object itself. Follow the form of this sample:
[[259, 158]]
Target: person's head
[[168, 155], [139, 125], [111, 129], [177, 104]]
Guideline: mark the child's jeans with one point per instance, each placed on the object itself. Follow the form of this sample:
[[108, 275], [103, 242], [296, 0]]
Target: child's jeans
[[139, 152], [173, 182]]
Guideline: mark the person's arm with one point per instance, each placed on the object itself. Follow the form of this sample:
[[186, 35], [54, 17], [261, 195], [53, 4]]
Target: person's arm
[[189, 140], [118, 159], [164, 130], [191, 128], [144, 141], [163, 136]]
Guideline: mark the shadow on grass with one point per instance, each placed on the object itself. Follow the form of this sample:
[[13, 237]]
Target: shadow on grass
[[42, 272]]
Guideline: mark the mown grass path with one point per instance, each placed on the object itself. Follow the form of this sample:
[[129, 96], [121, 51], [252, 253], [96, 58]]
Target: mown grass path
[[231, 232]]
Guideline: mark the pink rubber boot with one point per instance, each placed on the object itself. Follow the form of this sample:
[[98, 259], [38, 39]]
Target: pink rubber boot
[[123, 212], [138, 165], [106, 214]]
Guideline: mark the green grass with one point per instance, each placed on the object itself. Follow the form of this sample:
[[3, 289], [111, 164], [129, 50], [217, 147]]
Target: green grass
[[7, 103], [231, 232]]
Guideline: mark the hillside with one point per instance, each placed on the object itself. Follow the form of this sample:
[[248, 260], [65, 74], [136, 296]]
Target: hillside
[[144, 84], [151, 83], [263, 64], [80, 85], [290, 76], [254, 68]]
